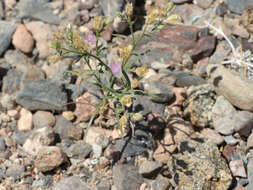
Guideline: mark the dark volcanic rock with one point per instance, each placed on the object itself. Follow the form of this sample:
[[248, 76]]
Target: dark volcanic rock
[[6, 31], [11, 82], [186, 79], [37, 10], [42, 95], [236, 6], [126, 177], [71, 183]]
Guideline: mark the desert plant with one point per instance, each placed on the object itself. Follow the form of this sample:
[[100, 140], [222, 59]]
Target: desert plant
[[111, 75]]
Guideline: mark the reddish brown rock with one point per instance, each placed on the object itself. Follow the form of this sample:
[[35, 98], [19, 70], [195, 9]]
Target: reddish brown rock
[[85, 107], [22, 39], [171, 39]]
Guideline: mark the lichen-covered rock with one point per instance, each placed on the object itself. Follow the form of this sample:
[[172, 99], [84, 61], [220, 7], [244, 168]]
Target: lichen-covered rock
[[198, 106], [199, 165]]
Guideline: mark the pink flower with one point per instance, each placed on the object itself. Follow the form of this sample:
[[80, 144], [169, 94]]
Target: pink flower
[[116, 68], [91, 38]]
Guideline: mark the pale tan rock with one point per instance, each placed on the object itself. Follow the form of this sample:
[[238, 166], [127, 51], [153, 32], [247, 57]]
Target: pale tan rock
[[235, 89], [25, 122], [237, 168], [69, 115], [39, 138], [43, 119], [22, 39], [48, 158], [178, 130], [42, 33], [212, 135], [250, 141], [95, 134]]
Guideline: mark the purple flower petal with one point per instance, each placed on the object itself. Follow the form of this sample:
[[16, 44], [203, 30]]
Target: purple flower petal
[[91, 38], [116, 68]]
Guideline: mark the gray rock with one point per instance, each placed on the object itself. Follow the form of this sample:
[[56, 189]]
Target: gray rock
[[144, 105], [43, 182], [104, 185], [6, 31], [149, 168], [236, 6], [11, 82], [244, 123], [126, 177], [198, 163], [2, 172], [42, 95], [20, 136], [181, 1], [159, 91], [232, 86], [186, 79], [133, 146], [79, 150], [199, 104], [2, 11], [230, 140], [71, 183], [227, 120], [2, 144], [88, 4], [15, 58], [62, 127], [96, 150], [15, 171], [250, 170], [111, 7], [37, 10], [223, 116], [161, 183]]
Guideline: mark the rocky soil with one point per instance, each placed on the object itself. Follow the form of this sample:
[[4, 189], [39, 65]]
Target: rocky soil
[[196, 136]]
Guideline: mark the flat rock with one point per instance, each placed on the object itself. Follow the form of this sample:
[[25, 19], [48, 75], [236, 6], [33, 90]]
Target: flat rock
[[37, 10], [237, 6], [79, 150], [161, 183], [149, 168], [160, 90], [48, 158], [144, 105], [15, 58], [126, 177], [237, 168], [42, 95], [15, 171], [173, 42], [71, 183], [212, 135], [186, 79], [250, 170], [6, 31], [235, 89]]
